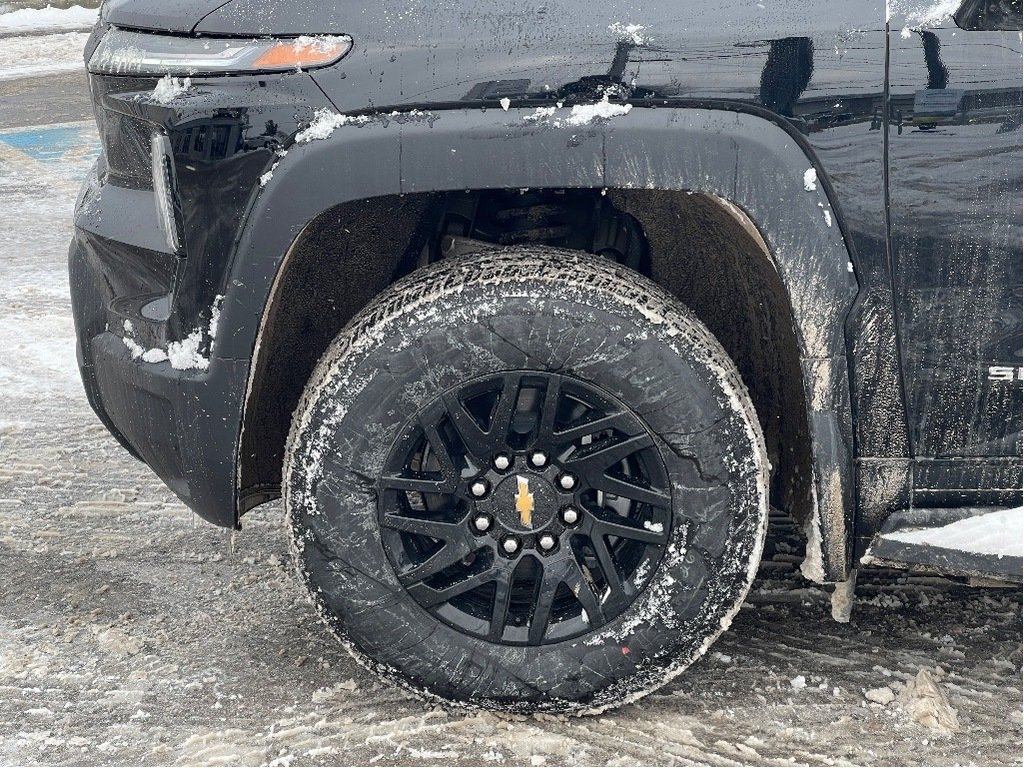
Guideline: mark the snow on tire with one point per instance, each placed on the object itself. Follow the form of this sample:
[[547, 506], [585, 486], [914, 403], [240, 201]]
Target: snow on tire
[[526, 479]]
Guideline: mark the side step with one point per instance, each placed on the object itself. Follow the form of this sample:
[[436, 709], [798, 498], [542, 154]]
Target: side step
[[977, 542]]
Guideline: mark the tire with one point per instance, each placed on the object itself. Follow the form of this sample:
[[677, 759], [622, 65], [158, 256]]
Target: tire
[[409, 408]]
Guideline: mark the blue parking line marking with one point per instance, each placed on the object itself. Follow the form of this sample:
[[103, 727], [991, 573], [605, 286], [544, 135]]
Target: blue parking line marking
[[75, 145]]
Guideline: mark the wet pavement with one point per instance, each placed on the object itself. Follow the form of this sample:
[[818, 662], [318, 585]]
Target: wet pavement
[[54, 98]]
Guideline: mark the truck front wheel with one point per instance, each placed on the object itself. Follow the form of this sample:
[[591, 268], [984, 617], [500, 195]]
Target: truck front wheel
[[527, 479]]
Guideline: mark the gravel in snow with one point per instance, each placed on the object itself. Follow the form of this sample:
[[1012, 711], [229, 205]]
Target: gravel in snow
[[131, 634]]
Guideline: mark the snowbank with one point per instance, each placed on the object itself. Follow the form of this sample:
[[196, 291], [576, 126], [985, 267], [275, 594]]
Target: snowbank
[[48, 18]]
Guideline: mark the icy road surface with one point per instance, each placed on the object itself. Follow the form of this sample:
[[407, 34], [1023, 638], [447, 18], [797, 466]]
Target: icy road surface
[[130, 633]]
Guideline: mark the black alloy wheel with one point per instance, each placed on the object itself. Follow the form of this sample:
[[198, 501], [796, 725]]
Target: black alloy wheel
[[525, 507]]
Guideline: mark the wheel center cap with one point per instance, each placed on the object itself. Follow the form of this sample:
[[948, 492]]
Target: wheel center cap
[[522, 502]]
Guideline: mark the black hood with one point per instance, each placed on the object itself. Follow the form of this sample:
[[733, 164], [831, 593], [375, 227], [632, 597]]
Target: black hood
[[162, 15], [308, 17], [229, 17]]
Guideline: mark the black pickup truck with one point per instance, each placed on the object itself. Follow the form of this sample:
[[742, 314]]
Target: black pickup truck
[[532, 310]]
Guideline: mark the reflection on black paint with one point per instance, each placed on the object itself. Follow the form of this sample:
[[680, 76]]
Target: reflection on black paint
[[786, 73], [209, 140], [955, 186], [938, 75], [990, 15], [221, 137], [936, 104]]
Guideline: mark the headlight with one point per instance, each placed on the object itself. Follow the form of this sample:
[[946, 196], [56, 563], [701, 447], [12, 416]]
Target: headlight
[[121, 52]]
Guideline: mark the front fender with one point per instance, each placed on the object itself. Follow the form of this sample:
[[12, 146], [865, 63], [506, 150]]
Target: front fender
[[742, 157]]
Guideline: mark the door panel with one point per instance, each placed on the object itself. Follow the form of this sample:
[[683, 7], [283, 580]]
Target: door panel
[[955, 192]]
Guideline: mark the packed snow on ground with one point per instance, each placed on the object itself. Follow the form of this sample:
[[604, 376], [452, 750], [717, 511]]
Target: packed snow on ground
[[998, 533], [48, 18], [32, 55]]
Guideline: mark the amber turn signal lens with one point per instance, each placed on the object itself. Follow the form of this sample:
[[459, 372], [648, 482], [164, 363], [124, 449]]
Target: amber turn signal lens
[[124, 52], [303, 52]]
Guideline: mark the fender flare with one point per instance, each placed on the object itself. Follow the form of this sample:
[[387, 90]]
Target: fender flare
[[741, 157]]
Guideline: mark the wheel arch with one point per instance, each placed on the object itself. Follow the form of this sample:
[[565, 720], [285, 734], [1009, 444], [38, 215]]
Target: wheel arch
[[753, 167]]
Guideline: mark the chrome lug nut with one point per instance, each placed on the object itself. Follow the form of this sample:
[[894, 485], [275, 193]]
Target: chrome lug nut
[[479, 488], [570, 516], [510, 545], [567, 481], [546, 542], [538, 458], [502, 462], [482, 523]]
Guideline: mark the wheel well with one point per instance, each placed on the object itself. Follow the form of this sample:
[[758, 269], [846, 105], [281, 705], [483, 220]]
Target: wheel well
[[711, 256], [699, 247], [337, 264]]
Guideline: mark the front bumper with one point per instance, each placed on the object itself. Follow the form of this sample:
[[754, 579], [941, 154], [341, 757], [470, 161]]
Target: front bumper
[[183, 424], [131, 294]]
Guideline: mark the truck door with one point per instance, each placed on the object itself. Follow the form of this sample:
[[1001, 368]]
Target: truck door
[[955, 215]]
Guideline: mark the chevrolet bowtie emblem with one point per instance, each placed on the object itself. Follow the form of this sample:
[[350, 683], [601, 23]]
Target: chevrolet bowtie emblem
[[524, 501]]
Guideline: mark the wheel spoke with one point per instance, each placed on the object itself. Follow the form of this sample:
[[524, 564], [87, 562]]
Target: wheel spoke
[[501, 414], [418, 484], [439, 449], [581, 587], [499, 611], [620, 592], [620, 420], [563, 571], [433, 528], [429, 597], [549, 411], [542, 606], [473, 437], [608, 453], [454, 550], [629, 489], [610, 524]]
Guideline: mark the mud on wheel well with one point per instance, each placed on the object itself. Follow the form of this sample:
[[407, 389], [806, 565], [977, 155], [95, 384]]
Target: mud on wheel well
[[691, 244]]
